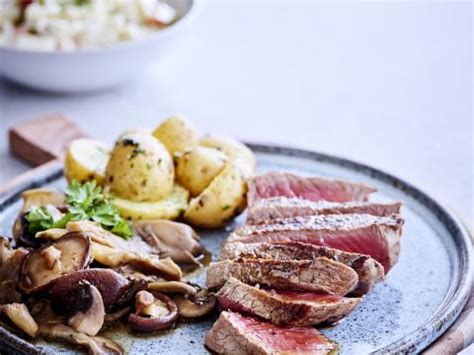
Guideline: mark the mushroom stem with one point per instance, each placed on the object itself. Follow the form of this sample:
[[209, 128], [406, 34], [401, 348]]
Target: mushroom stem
[[19, 314]]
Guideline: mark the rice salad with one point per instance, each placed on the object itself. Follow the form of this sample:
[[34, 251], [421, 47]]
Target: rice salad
[[67, 25]]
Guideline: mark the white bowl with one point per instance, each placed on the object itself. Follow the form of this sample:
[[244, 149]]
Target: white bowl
[[91, 69]]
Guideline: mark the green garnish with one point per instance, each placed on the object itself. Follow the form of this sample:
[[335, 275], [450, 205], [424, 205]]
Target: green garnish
[[40, 219], [85, 203]]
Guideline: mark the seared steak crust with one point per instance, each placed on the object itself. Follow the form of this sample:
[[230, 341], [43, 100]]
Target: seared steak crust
[[310, 188], [266, 211], [318, 275], [368, 269], [378, 237], [235, 334], [285, 307]]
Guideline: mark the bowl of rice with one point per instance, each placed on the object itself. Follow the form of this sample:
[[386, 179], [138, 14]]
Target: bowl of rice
[[83, 45]]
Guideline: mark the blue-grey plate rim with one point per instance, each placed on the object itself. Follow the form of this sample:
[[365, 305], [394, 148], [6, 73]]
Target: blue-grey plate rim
[[416, 341]]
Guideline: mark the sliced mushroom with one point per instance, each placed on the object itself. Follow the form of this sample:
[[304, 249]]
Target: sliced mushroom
[[98, 234], [96, 345], [147, 263], [10, 266], [42, 197], [176, 240], [51, 234], [196, 305], [172, 287], [89, 318], [153, 311], [115, 289], [71, 252], [113, 251], [18, 313]]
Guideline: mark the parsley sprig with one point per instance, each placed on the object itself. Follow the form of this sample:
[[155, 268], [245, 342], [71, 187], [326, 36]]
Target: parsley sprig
[[86, 202]]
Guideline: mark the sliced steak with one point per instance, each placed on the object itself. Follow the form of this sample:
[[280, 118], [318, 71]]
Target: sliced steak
[[285, 308], [378, 237], [267, 210], [318, 275], [368, 269], [309, 188], [235, 334]]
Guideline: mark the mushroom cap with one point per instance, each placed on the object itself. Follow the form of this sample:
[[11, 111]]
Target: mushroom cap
[[115, 289], [196, 305], [72, 253], [146, 324]]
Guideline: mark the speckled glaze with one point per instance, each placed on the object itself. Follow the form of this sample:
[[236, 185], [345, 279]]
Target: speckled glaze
[[419, 300]]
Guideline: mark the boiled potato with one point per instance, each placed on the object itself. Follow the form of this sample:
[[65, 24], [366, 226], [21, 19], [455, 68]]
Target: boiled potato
[[196, 168], [86, 159], [140, 168], [171, 207], [220, 201], [236, 151], [177, 134]]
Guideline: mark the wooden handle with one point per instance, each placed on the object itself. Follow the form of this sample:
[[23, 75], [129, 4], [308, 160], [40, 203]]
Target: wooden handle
[[43, 139], [460, 335]]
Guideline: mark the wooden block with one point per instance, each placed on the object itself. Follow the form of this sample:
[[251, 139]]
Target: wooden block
[[43, 139]]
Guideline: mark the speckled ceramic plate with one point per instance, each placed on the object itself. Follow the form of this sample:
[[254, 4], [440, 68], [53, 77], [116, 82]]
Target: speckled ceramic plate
[[420, 299]]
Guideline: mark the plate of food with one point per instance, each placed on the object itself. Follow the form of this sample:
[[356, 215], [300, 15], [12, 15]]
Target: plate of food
[[174, 243]]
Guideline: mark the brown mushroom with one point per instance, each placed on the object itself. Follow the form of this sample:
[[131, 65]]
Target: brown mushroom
[[196, 305], [69, 253], [176, 240], [153, 311], [115, 289], [113, 251], [142, 262], [96, 345], [51, 234], [20, 316], [89, 317], [42, 197], [10, 265]]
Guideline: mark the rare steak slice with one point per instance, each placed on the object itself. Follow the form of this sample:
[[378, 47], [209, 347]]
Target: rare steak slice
[[368, 269], [318, 275], [267, 210], [378, 237], [309, 188], [285, 308], [235, 334]]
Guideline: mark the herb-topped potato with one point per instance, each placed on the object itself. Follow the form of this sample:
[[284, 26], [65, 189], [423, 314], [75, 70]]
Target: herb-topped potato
[[196, 168], [238, 152], [222, 200], [140, 168], [153, 174], [177, 134], [86, 160]]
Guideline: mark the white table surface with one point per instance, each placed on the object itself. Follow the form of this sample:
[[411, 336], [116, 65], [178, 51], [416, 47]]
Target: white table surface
[[387, 84]]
